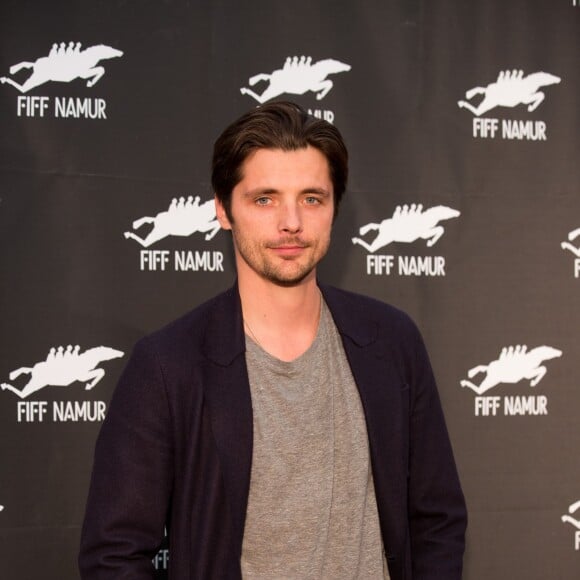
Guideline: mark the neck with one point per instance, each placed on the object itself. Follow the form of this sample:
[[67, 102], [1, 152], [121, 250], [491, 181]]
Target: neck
[[282, 320]]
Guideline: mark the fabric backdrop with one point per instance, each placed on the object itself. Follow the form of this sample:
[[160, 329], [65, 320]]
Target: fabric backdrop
[[463, 209]]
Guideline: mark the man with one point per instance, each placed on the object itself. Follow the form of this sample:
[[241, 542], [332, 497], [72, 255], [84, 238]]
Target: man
[[283, 429]]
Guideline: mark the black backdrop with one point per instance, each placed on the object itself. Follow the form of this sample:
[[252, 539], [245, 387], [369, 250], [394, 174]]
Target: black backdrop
[[485, 256]]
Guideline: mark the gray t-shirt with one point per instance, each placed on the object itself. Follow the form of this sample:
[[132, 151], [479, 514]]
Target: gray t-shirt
[[312, 511]]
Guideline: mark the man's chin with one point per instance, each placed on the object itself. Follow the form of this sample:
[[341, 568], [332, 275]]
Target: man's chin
[[287, 283], [288, 280]]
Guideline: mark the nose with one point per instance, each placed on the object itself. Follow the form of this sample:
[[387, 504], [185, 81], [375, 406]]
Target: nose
[[289, 219]]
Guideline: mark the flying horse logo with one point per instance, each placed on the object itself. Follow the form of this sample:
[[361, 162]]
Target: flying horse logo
[[296, 77], [569, 246], [407, 224], [569, 519], [64, 64], [183, 218], [512, 88], [513, 365], [62, 368]]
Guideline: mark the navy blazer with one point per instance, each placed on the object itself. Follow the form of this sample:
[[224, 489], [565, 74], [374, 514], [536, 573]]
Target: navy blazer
[[175, 448]]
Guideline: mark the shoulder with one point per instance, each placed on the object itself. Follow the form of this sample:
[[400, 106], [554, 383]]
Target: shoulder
[[186, 335], [379, 328], [357, 310]]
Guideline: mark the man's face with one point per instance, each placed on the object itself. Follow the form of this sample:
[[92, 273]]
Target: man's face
[[282, 212]]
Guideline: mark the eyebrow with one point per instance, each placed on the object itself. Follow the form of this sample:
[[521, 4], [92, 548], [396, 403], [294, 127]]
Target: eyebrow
[[271, 190]]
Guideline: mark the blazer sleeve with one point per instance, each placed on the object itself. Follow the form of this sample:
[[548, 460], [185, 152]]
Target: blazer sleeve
[[132, 476], [436, 506]]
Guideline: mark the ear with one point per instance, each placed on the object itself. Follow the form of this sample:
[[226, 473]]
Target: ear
[[221, 215]]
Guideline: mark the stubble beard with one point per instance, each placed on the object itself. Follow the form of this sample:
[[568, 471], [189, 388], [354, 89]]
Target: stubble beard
[[272, 268]]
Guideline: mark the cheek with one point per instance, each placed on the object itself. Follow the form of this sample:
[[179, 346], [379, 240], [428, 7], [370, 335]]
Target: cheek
[[325, 226]]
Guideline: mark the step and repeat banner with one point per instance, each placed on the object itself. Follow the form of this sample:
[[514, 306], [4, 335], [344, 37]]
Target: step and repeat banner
[[463, 209]]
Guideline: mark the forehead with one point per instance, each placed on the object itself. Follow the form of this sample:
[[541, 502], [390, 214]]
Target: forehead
[[307, 167]]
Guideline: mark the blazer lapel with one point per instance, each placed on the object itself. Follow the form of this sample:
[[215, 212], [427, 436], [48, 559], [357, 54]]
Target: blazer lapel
[[372, 363], [385, 400], [227, 393]]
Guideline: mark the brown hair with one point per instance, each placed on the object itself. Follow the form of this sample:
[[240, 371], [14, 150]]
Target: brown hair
[[278, 125]]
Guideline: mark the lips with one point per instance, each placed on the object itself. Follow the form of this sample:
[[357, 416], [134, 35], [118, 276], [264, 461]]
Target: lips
[[297, 242], [288, 250]]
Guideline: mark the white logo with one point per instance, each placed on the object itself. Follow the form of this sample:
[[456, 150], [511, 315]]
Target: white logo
[[510, 89], [62, 368], [297, 77], [569, 246], [183, 218], [513, 365], [64, 64], [568, 519], [407, 224], [161, 559]]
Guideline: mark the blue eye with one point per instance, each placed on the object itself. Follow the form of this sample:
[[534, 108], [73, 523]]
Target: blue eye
[[312, 200], [262, 200]]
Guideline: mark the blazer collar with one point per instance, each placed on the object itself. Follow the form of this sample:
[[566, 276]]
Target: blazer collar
[[225, 338], [350, 316]]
